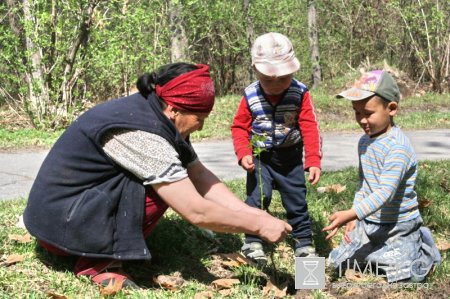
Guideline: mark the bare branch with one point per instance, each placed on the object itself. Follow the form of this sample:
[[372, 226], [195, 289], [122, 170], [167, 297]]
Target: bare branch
[[82, 37], [430, 58], [413, 40]]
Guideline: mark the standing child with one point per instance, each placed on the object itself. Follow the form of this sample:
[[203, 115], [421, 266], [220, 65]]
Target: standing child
[[388, 231], [276, 114]]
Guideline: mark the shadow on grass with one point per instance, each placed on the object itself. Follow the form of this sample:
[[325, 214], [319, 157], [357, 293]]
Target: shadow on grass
[[177, 246], [55, 262], [323, 247]]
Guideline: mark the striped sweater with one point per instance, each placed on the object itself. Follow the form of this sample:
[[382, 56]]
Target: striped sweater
[[387, 170]]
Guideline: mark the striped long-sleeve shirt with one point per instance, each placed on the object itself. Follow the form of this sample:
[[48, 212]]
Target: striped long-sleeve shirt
[[387, 170]]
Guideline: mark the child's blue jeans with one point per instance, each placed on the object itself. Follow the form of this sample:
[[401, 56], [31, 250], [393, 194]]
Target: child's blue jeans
[[402, 250], [282, 170]]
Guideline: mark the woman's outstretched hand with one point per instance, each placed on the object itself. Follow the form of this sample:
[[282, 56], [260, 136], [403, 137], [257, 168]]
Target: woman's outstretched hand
[[273, 229], [337, 220]]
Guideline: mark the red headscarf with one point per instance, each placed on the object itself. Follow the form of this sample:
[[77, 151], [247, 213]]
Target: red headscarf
[[192, 91]]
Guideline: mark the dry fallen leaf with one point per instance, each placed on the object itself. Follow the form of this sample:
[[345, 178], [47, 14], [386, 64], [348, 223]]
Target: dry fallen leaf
[[204, 295], [226, 292], [442, 246], [334, 243], [112, 288], [236, 259], [353, 292], [169, 282], [55, 296], [217, 269], [272, 290], [283, 248], [305, 294], [322, 189], [424, 203], [230, 264], [337, 188], [424, 165], [285, 252], [225, 283], [12, 259], [21, 238], [445, 185], [352, 275]]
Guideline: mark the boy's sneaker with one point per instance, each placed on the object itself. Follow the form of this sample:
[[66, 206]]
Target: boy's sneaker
[[306, 251], [255, 252]]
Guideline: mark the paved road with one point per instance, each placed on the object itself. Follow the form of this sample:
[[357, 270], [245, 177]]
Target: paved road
[[18, 169]]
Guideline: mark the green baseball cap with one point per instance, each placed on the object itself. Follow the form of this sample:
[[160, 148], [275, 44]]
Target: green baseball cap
[[372, 83]]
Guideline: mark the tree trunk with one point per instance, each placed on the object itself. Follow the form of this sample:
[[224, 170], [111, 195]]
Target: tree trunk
[[38, 94], [52, 48], [125, 83], [18, 32], [70, 76], [314, 44], [250, 34], [178, 40], [12, 21]]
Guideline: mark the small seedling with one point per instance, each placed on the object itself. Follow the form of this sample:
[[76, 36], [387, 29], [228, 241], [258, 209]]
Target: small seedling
[[257, 151]]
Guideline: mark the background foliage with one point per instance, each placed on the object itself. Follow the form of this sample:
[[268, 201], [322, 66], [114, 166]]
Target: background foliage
[[72, 53]]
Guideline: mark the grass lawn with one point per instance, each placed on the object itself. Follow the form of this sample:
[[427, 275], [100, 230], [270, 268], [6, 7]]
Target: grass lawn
[[188, 255], [426, 112], [20, 138]]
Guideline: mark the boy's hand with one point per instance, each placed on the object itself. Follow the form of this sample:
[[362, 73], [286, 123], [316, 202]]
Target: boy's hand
[[348, 228], [247, 163], [314, 175], [337, 220]]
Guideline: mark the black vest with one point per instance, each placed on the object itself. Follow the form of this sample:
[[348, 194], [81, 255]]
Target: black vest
[[83, 202]]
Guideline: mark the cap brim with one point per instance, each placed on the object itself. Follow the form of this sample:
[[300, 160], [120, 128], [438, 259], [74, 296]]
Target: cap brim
[[355, 94], [278, 70]]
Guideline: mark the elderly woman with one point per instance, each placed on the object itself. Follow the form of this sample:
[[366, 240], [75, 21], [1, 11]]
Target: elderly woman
[[112, 174]]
